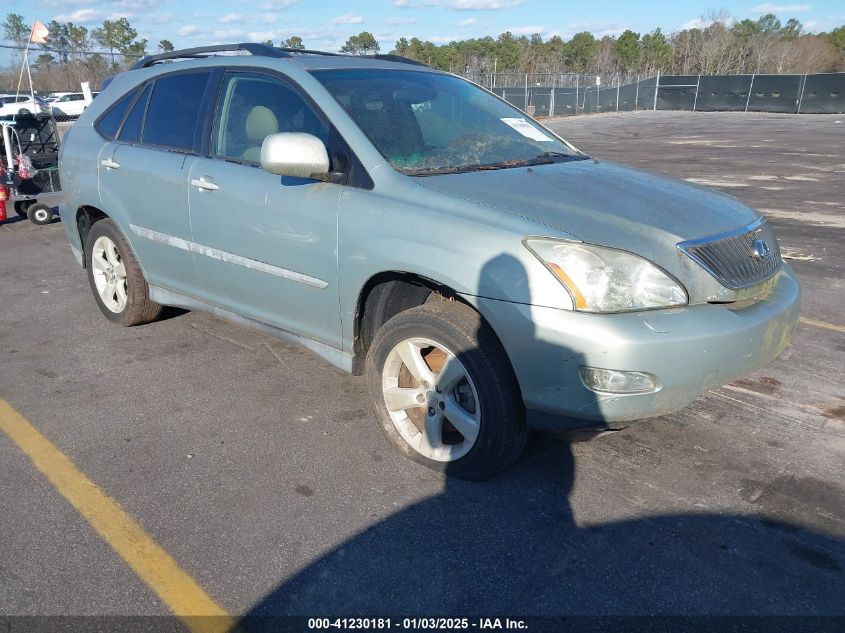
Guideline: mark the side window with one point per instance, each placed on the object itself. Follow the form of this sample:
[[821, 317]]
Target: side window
[[109, 123], [173, 113], [252, 107], [131, 130]]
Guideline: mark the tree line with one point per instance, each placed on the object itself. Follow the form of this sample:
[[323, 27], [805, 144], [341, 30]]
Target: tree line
[[718, 46]]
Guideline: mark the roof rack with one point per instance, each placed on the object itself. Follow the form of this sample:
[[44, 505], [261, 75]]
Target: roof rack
[[262, 50]]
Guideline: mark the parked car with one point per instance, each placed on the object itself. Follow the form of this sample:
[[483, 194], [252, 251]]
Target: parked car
[[406, 224], [55, 95], [21, 104], [70, 105]]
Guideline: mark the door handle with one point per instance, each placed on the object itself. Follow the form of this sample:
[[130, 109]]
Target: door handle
[[204, 183], [108, 163]]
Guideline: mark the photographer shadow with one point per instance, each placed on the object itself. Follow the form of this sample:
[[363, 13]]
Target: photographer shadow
[[512, 547]]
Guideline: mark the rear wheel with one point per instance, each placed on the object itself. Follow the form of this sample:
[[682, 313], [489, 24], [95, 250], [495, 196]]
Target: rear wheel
[[39, 213], [21, 206], [444, 392], [116, 279]]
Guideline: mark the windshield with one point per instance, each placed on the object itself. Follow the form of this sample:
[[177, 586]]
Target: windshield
[[428, 123]]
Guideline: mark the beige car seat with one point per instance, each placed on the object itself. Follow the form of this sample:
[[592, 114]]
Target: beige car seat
[[260, 123]]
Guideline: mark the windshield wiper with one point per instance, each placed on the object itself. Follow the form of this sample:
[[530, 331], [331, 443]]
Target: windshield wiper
[[545, 158], [556, 157]]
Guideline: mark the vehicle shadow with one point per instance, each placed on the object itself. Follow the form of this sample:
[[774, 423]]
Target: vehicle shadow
[[512, 547]]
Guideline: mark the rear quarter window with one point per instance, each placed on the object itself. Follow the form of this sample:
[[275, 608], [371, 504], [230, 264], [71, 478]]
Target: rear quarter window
[[131, 130], [109, 123], [173, 113]]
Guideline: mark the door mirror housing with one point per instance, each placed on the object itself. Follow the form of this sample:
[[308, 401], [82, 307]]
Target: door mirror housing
[[295, 154]]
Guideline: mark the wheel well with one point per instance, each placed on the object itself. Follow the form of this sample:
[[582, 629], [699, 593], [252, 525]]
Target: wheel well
[[386, 295], [86, 217]]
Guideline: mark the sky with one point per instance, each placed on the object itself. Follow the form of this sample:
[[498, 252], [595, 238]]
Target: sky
[[325, 25]]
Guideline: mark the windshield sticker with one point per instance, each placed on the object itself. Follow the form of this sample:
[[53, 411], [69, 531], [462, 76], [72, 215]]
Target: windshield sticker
[[526, 129]]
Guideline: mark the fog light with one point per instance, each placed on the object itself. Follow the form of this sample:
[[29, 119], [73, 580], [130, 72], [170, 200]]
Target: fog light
[[616, 381]]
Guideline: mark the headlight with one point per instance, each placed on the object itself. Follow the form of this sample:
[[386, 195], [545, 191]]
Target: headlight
[[602, 279]]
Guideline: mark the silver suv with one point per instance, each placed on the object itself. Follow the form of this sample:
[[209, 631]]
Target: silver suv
[[404, 223]]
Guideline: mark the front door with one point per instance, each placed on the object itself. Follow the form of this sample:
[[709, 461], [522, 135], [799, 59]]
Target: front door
[[265, 245]]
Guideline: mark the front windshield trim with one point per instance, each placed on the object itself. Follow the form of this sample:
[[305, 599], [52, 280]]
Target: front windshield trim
[[340, 83]]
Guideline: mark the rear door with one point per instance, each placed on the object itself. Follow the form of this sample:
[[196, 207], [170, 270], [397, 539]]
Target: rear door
[[144, 176]]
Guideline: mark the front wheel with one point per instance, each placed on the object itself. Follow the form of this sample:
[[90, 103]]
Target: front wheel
[[444, 392], [119, 287]]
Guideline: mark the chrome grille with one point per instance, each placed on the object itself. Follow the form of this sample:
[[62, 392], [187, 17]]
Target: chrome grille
[[734, 258]]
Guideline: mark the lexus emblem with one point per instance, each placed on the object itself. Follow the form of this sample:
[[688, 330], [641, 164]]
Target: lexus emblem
[[760, 250]]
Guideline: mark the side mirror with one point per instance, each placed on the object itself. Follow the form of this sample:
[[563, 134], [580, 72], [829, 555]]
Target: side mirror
[[295, 154]]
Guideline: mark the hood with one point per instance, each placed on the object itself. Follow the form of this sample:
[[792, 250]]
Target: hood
[[610, 205]]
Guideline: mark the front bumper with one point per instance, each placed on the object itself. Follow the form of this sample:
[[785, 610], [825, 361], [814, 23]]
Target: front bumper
[[688, 350]]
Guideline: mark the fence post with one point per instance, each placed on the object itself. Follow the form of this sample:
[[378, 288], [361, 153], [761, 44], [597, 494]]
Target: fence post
[[750, 88], [697, 84], [618, 81], [801, 96], [656, 88], [577, 81], [526, 94], [637, 94], [598, 96], [552, 98]]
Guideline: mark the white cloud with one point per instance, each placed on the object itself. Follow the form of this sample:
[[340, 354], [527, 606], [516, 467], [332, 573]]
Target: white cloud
[[480, 5], [599, 28], [444, 39], [781, 8], [695, 23], [268, 19], [262, 36], [467, 22], [136, 5], [82, 16], [231, 17], [190, 30], [348, 18], [526, 30], [225, 34], [161, 18], [277, 5], [702, 23], [400, 20], [51, 3], [403, 4]]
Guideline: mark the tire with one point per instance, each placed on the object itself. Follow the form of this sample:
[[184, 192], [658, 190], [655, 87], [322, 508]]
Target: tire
[[113, 268], [486, 400], [21, 206], [39, 213]]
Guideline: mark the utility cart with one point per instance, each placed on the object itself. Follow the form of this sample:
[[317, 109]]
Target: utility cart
[[29, 151]]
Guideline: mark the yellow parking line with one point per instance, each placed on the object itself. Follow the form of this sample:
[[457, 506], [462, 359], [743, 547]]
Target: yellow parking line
[[182, 595], [823, 325]]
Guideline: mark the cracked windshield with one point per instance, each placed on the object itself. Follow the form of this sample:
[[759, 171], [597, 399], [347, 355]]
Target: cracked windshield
[[426, 124]]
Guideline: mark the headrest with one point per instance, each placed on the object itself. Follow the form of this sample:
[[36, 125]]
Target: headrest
[[260, 123]]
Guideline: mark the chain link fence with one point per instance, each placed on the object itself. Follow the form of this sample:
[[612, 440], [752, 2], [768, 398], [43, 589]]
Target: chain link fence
[[563, 95]]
